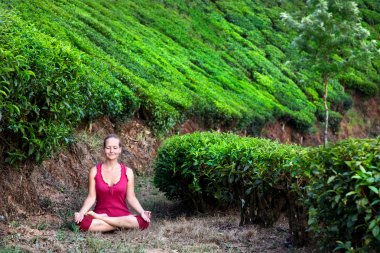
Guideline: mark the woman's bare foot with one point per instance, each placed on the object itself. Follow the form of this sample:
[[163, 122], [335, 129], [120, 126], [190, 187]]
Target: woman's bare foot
[[96, 215]]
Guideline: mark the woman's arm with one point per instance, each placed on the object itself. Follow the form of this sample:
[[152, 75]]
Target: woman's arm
[[91, 197], [131, 197]]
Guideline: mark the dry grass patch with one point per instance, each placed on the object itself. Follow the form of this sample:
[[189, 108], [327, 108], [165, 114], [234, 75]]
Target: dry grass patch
[[217, 233], [171, 231]]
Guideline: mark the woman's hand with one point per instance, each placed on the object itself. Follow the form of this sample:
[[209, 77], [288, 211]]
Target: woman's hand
[[78, 217], [146, 215]]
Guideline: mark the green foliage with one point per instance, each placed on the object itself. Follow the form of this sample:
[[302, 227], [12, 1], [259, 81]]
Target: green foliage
[[343, 195], [40, 96], [334, 118], [355, 80], [222, 62], [329, 43], [371, 17], [179, 83]]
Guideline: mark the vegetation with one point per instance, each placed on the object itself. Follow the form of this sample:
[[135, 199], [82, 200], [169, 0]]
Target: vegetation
[[227, 63], [46, 91], [221, 62], [330, 192]]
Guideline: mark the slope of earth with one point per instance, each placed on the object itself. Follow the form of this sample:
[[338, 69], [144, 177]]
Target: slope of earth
[[223, 62]]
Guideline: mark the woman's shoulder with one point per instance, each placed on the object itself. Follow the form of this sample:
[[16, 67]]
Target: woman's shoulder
[[128, 170], [93, 170]]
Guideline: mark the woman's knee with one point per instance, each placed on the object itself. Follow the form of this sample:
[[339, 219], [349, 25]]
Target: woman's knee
[[130, 222], [142, 224]]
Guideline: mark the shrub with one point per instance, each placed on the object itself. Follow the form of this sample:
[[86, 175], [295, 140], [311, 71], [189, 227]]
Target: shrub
[[343, 196], [41, 97], [359, 82], [274, 53], [371, 17], [339, 186], [210, 170], [167, 60]]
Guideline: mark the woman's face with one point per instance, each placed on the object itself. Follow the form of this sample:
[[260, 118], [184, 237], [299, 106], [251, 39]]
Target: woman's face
[[112, 148]]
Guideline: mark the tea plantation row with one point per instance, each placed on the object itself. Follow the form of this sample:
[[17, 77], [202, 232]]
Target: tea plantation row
[[225, 63]]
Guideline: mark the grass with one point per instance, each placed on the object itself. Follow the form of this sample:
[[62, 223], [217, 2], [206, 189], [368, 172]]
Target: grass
[[90, 141], [172, 230], [216, 233]]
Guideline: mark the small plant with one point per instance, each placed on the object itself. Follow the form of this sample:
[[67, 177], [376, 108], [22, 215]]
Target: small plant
[[42, 226], [61, 235], [14, 223]]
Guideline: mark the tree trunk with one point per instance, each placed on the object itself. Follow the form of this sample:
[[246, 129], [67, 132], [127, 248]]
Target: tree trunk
[[326, 85], [297, 215]]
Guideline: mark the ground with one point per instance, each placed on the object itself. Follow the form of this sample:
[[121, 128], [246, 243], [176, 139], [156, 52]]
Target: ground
[[171, 231]]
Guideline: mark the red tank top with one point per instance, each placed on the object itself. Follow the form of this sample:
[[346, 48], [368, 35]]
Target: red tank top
[[111, 199]]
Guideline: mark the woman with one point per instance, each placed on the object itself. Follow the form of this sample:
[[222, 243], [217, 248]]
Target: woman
[[109, 185]]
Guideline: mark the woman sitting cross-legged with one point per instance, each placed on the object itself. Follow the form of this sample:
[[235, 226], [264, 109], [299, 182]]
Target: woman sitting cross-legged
[[110, 185]]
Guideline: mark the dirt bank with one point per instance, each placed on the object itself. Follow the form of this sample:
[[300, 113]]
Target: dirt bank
[[56, 183]]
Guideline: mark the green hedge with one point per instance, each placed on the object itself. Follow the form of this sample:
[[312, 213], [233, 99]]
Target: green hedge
[[211, 170]]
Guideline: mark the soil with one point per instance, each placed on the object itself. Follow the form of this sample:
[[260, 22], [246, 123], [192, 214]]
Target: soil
[[361, 121]]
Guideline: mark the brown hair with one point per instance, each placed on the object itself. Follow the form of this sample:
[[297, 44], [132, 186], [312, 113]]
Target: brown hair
[[109, 137]]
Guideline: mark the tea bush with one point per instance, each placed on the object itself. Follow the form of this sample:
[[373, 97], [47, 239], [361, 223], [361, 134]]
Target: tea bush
[[124, 41], [343, 196], [360, 82], [211, 170], [41, 98]]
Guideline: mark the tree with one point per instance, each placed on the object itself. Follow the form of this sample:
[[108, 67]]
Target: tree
[[330, 37]]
